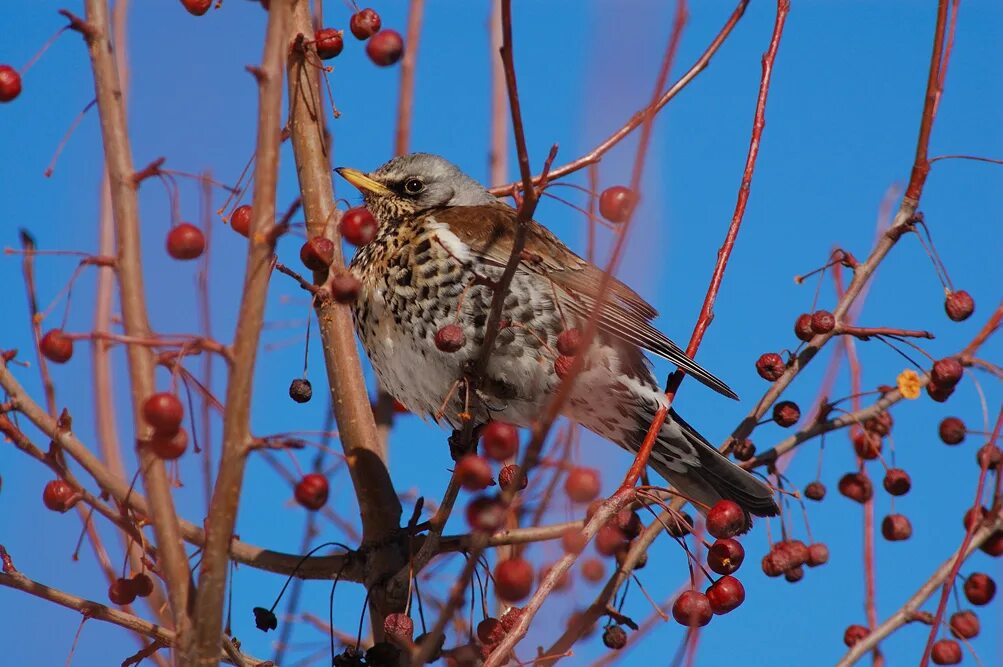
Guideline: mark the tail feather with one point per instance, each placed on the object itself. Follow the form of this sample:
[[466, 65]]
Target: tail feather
[[716, 477]]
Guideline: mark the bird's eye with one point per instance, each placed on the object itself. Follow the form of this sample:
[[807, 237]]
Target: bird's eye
[[413, 186]]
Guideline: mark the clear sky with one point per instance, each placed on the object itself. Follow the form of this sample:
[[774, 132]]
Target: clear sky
[[842, 121]]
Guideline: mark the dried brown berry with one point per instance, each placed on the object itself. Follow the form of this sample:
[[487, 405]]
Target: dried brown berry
[[818, 554], [450, 338], [880, 424], [897, 482], [185, 241], [959, 305], [614, 637], [500, 440], [786, 413], [867, 445], [300, 390], [121, 591], [142, 585], [365, 23], [822, 322], [896, 527], [513, 579], [770, 366], [945, 652], [329, 42], [511, 477], [399, 627], [385, 48], [489, 631], [679, 525], [947, 372], [311, 491], [938, 393], [616, 203], [692, 609], [814, 490], [629, 522], [856, 486], [794, 575], [744, 450], [989, 456], [802, 327], [952, 431], [317, 253]]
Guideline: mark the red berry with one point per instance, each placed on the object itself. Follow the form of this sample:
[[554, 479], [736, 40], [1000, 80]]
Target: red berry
[[856, 486], [979, 588], [744, 450], [616, 203], [365, 23], [975, 515], [822, 322], [240, 220], [896, 527], [511, 618], [57, 495], [725, 556], [959, 305], [513, 579], [344, 287], [358, 226], [185, 241], [692, 608], [725, 594], [56, 346], [197, 7], [485, 513], [311, 491], [614, 637], [121, 591], [563, 582], [474, 472], [169, 446], [946, 652], [994, 544], [593, 570], [329, 42], [562, 366], [879, 424], [989, 456], [164, 412], [511, 476], [772, 565], [938, 393], [573, 541], [964, 624], [300, 390], [609, 540], [867, 445], [582, 484], [10, 83], [500, 440], [450, 338], [897, 482], [794, 575], [770, 366], [818, 554], [795, 552], [399, 627], [629, 522], [854, 634], [726, 519], [385, 48], [947, 372], [786, 413], [317, 253], [568, 342], [802, 327], [142, 584], [952, 431], [814, 491], [489, 631]]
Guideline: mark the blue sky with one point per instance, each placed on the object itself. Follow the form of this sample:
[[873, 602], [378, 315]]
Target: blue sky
[[842, 121]]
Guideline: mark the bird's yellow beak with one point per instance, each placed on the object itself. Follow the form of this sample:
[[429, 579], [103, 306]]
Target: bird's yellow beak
[[363, 182]]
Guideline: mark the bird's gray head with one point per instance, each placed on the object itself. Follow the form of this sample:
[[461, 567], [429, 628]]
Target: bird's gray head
[[415, 182]]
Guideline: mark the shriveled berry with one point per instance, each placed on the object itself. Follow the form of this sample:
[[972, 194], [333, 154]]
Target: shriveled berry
[[979, 588], [317, 253], [593, 570], [311, 491], [562, 366], [500, 440], [582, 484], [56, 346], [822, 322], [989, 456], [185, 241], [365, 23], [399, 627], [164, 412], [10, 83], [240, 220], [473, 472], [744, 450], [867, 445], [197, 7], [121, 591], [772, 564], [947, 372], [300, 390], [854, 634], [952, 431], [485, 513], [726, 519], [794, 575], [169, 446], [959, 305], [945, 652], [329, 42], [814, 491], [344, 287], [57, 495], [796, 552], [573, 541], [568, 342], [692, 609], [964, 624], [385, 48], [511, 477], [265, 620], [358, 226], [802, 327], [616, 203], [770, 366], [511, 618], [725, 594], [450, 338], [786, 413], [624, 551], [896, 527], [856, 486], [513, 579], [725, 556], [609, 539], [614, 637], [679, 525], [142, 584], [897, 482], [489, 631], [629, 522], [879, 424], [818, 554]]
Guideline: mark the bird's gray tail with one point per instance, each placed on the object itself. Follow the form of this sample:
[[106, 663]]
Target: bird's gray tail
[[716, 478]]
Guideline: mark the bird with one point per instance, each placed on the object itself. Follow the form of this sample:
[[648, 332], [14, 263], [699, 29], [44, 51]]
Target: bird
[[442, 240]]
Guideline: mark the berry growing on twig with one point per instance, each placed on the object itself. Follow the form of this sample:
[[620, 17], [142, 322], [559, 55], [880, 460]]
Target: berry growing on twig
[[311, 491]]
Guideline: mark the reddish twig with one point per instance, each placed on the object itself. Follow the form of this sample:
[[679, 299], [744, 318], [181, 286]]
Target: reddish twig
[[405, 103]]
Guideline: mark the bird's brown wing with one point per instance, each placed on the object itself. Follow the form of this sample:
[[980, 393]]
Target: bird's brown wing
[[489, 232]]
